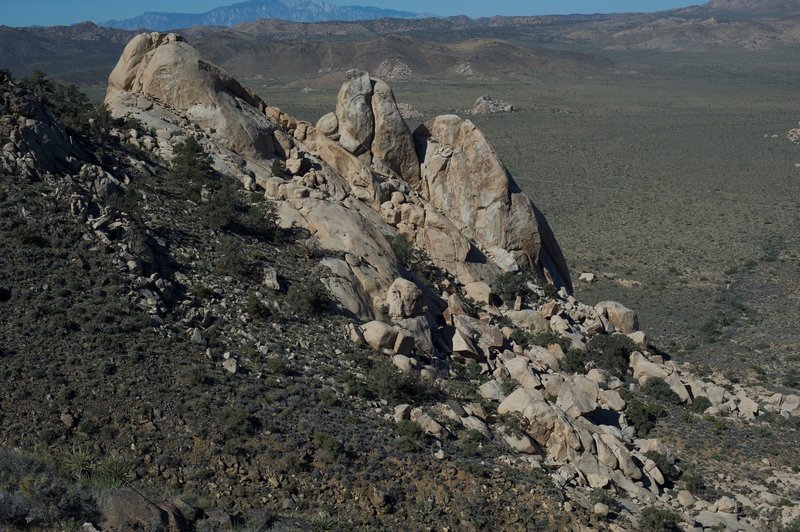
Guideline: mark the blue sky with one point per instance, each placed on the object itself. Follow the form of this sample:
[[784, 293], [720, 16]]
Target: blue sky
[[52, 12]]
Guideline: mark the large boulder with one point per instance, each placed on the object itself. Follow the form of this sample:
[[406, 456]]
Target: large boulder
[[164, 69], [354, 113], [621, 317], [393, 145], [464, 178]]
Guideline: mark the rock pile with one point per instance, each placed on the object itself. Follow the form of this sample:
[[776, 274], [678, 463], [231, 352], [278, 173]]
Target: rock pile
[[33, 142], [394, 70], [485, 105]]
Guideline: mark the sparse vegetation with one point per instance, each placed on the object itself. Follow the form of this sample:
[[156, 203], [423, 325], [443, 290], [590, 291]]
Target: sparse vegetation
[[643, 416], [659, 390], [653, 519]]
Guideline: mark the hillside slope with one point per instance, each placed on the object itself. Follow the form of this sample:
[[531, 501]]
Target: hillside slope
[[257, 321]]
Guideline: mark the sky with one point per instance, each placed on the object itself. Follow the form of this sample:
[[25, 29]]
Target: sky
[[55, 12]]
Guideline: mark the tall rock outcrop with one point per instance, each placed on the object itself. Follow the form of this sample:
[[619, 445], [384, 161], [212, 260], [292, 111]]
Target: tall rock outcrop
[[464, 178], [355, 178], [168, 71]]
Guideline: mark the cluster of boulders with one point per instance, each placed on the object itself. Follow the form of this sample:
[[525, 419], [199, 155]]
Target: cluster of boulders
[[486, 105], [33, 141], [408, 111], [394, 69], [359, 167]]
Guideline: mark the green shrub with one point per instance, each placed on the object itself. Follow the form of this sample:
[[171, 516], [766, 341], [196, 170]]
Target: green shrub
[[257, 309], [329, 449], [234, 421], [79, 462], [278, 168], [414, 260], [112, 471], [575, 361], [322, 522], [402, 247], [385, 381], [309, 299], [472, 443], [412, 437], [550, 291], [654, 519], [695, 484], [656, 388], [191, 163], [542, 339], [643, 416], [611, 352], [35, 496], [700, 404], [509, 285], [277, 365]]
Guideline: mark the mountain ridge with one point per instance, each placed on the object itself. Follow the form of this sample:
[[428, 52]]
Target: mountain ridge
[[227, 16]]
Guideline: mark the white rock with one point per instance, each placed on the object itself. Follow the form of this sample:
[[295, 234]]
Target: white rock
[[686, 499], [231, 365], [479, 291], [379, 335], [621, 317]]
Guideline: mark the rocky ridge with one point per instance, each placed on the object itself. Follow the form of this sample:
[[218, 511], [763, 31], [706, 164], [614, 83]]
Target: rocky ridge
[[356, 180], [360, 167]]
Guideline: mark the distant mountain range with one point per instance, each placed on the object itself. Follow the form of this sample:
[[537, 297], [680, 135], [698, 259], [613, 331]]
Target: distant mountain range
[[292, 10], [755, 5]]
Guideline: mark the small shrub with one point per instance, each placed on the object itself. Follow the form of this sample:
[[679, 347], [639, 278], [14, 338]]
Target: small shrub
[[700, 404], [414, 259], [191, 162], [472, 443], [575, 361], [385, 381], [278, 168], [412, 437], [658, 389], [654, 519], [509, 285], [695, 484], [550, 291], [322, 522], [277, 365], [542, 339], [611, 352], [257, 309], [329, 449], [643, 416], [308, 299], [79, 463], [234, 421], [112, 471], [403, 248]]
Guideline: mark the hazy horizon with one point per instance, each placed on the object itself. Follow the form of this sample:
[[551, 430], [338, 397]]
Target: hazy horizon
[[57, 12]]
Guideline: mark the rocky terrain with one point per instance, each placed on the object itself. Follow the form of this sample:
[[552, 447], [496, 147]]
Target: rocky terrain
[[226, 316]]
